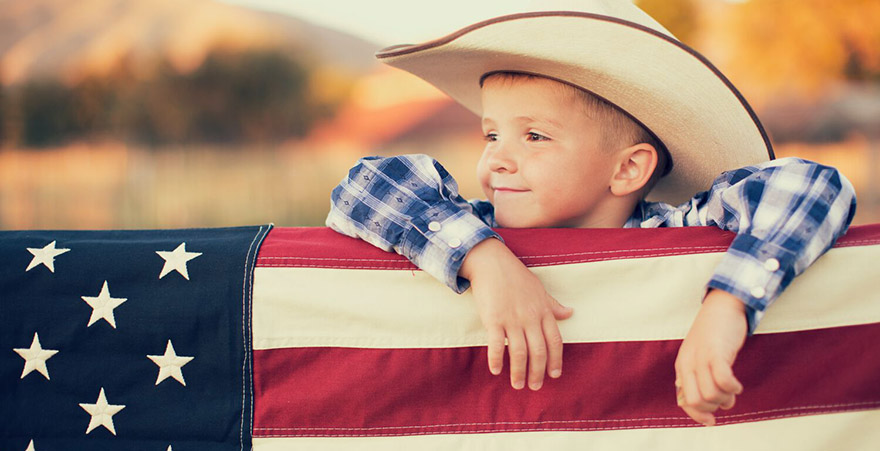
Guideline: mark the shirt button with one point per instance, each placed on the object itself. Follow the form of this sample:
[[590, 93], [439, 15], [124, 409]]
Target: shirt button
[[771, 264], [434, 226], [758, 292], [455, 242]]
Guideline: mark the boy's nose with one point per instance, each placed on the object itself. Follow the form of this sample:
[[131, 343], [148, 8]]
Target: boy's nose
[[502, 159]]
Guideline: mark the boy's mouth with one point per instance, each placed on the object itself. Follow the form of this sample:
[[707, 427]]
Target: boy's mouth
[[501, 189]]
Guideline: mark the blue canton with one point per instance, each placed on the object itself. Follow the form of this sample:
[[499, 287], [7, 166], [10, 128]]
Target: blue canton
[[127, 340]]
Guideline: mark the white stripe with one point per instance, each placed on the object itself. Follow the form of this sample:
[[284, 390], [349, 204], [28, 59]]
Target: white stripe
[[849, 431], [634, 299]]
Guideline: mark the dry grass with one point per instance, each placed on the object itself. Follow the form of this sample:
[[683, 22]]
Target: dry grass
[[109, 186]]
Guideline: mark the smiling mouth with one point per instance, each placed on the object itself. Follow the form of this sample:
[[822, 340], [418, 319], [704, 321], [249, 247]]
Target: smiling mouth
[[509, 190]]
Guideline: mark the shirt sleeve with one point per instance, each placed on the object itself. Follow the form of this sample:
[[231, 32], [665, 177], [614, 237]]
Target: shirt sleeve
[[786, 214], [410, 204]]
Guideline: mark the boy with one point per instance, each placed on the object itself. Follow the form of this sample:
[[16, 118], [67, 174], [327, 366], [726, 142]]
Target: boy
[[580, 128]]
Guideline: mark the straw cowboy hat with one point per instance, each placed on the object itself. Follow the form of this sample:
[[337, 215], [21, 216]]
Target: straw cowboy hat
[[614, 50]]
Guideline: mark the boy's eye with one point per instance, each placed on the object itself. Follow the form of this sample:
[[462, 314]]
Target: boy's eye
[[490, 137], [537, 137]]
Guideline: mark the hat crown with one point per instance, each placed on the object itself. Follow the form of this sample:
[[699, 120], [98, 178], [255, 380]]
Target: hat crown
[[619, 9]]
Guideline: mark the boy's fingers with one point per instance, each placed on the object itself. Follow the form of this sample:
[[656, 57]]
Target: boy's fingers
[[704, 418], [724, 377], [516, 348], [496, 350], [729, 404], [560, 311], [554, 347], [691, 395], [537, 357], [709, 390]]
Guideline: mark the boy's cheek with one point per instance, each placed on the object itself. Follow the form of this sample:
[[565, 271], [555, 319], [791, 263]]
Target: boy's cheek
[[484, 185]]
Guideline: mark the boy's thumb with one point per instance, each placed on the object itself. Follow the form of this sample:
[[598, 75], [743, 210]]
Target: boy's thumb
[[561, 311]]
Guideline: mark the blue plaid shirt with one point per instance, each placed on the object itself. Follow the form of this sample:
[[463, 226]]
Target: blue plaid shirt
[[786, 213]]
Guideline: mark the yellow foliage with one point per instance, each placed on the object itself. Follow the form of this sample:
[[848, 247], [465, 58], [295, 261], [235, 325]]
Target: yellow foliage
[[678, 16], [802, 47]]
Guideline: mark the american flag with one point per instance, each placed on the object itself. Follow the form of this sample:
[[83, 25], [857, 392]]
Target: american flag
[[149, 340]]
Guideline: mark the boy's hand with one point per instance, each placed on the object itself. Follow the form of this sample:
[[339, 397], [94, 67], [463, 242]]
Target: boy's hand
[[704, 377], [513, 303]]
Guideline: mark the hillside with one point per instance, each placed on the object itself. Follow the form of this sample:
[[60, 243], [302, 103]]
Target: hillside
[[60, 38]]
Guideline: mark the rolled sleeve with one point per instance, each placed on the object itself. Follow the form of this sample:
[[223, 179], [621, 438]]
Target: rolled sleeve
[[440, 239], [756, 271], [786, 213]]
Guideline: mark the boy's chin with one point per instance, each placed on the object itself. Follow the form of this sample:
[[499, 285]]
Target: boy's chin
[[517, 222]]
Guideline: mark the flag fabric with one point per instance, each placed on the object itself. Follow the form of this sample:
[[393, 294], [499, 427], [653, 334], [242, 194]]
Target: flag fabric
[[189, 339], [355, 349], [126, 340]]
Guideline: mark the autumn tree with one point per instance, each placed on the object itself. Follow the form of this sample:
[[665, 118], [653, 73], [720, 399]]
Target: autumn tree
[[261, 96], [680, 17], [801, 47]]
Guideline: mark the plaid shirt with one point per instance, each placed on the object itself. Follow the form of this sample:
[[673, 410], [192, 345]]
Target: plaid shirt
[[786, 213]]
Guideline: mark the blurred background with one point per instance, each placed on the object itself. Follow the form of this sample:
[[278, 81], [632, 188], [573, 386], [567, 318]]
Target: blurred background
[[202, 113]]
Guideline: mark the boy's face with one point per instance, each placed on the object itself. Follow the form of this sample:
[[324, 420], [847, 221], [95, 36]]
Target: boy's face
[[543, 165]]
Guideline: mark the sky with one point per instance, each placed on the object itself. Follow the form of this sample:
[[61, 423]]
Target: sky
[[391, 22]]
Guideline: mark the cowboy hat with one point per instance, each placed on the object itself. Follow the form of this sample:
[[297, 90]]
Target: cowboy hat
[[617, 52]]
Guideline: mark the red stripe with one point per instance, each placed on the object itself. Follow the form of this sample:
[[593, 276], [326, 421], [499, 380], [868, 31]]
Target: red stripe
[[616, 385], [323, 248]]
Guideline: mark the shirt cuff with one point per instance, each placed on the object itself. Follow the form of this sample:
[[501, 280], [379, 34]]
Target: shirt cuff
[[755, 271], [440, 238]]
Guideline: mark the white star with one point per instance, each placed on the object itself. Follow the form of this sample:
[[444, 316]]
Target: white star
[[170, 364], [45, 256], [176, 260], [31, 446], [102, 413], [35, 358], [103, 305]]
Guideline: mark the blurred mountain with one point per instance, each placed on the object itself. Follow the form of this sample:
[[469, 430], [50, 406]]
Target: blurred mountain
[[66, 39]]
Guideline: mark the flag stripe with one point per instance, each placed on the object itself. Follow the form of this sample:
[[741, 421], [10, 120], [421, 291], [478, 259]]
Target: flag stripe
[[369, 308], [850, 430], [323, 248], [451, 390]]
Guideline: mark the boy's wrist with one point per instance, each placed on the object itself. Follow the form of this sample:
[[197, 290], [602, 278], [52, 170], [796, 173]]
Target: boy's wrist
[[484, 255], [732, 306], [725, 300]]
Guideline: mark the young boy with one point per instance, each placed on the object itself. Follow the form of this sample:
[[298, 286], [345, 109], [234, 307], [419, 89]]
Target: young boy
[[584, 113]]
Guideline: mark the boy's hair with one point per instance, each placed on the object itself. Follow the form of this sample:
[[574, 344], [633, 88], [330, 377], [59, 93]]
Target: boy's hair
[[619, 129]]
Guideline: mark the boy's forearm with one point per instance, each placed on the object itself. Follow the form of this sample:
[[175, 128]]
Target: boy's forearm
[[704, 378]]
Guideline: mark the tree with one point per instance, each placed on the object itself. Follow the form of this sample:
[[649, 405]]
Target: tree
[[801, 47], [232, 97], [46, 112], [680, 17]]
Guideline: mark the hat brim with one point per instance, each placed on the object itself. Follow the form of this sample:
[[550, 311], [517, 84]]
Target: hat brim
[[673, 91]]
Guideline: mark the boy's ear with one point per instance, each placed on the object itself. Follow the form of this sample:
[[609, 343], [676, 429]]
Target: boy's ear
[[635, 167]]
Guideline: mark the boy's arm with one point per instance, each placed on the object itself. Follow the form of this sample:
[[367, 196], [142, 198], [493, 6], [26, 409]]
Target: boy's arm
[[410, 204], [786, 213]]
